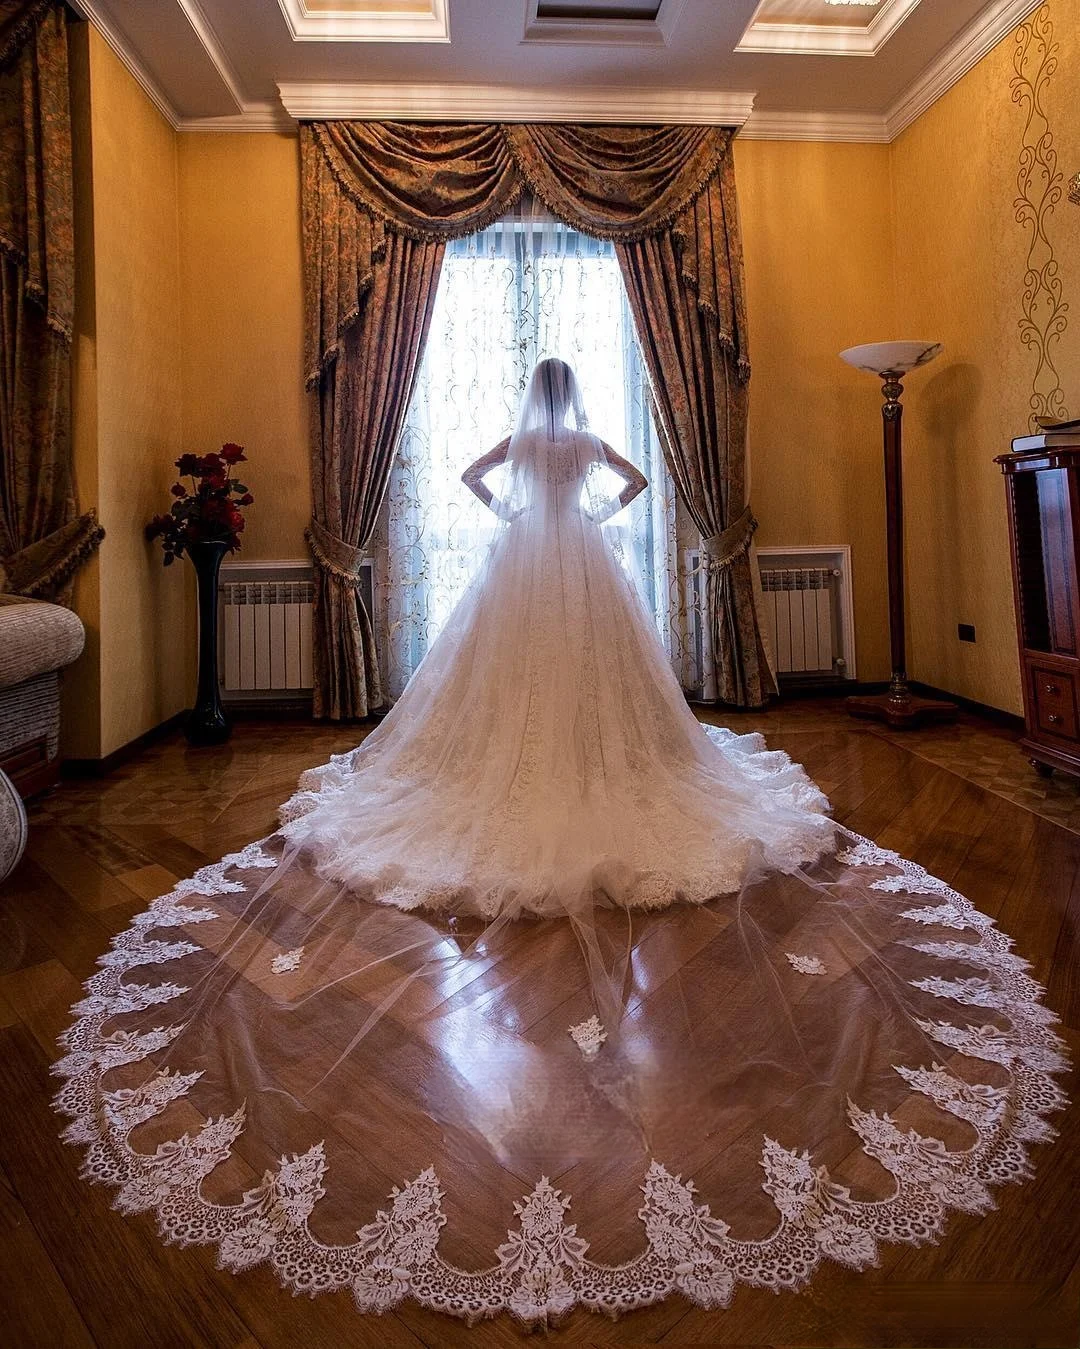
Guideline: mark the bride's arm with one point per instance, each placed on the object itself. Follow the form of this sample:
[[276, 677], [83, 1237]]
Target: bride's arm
[[473, 477], [636, 481]]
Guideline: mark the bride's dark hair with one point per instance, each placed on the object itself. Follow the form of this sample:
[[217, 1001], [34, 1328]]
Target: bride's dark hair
[[555, 380], [552, 393]]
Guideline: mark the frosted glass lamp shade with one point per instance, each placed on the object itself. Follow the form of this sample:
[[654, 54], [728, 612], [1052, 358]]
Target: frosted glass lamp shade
[[891, 358]]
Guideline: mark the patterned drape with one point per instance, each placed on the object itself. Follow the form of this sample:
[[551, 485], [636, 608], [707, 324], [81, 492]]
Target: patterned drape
[[43, 539], [669, 188]]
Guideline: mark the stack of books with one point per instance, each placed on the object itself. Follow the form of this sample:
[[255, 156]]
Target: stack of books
[[1050, 433]]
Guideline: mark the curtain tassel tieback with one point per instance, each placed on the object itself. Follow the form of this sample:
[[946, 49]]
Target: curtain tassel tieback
[[334, 555], [721, 550]]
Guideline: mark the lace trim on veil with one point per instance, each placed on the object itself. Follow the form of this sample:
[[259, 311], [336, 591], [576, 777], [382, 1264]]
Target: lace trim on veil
[[543, 1268]]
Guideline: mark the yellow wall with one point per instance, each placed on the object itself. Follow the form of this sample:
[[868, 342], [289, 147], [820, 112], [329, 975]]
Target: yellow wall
[[240, 320], [961, 262], [818, 246], [128, 407]]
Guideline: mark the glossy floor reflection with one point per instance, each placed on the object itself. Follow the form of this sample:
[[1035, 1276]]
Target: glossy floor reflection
[[101, 851]]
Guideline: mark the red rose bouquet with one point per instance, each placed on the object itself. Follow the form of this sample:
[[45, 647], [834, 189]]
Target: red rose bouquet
[[210, 512]]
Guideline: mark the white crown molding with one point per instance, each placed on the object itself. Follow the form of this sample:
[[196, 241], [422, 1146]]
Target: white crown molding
[[255, 117], [202, 29], [512, 103], [128, 59], [855, 127], [965, 51], [367, 25], [605, 32], [821, 39]]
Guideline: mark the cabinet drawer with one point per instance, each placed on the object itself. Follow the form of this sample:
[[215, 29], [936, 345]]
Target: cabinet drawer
[[1054, 697]]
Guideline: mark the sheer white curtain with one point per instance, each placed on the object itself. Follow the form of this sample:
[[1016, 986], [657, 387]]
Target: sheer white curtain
[[527, 287]]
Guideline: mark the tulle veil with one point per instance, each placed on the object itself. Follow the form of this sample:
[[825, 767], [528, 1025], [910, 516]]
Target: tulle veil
[[542, 933]]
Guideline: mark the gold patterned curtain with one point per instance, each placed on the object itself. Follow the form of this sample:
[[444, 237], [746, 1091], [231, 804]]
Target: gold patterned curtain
[[665, 195], [43, 539]]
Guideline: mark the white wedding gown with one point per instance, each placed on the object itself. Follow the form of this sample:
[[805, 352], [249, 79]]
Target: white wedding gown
[[543, 758], [542, 935]]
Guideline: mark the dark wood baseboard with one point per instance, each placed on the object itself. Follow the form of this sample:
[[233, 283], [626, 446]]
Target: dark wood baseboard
[[284, 709], [868, 688], [99, 768], [1009, 720]]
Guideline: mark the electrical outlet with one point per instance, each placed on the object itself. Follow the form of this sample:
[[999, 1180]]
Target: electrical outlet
[[965, 631]]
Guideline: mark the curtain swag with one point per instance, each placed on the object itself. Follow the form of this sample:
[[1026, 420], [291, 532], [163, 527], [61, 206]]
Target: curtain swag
[[379, 201]]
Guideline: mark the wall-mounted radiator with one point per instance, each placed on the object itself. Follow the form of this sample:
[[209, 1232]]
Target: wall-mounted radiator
[[808, 618], [265, 629]]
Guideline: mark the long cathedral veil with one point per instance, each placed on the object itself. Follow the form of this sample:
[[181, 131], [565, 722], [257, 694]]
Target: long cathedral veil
[[542, 934]]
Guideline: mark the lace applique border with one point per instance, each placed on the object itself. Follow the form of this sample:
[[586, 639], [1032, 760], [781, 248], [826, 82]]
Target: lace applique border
[[542, 1269]]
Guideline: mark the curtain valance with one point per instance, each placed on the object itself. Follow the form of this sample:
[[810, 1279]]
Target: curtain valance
[[436, 182]]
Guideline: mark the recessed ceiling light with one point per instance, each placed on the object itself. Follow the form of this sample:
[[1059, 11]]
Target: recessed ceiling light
[[591, 11], [603, 22]]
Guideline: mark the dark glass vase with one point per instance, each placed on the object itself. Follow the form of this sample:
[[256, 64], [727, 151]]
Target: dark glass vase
[[206, 723]]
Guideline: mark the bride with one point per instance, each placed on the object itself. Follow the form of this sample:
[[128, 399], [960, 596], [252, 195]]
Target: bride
[[543, 759], [543, 929]]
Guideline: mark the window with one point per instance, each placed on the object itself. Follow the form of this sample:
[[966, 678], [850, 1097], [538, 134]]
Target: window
[[525, 288]]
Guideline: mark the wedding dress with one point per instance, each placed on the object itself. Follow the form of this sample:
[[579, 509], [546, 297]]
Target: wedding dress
[[543, 758], [543, 936]]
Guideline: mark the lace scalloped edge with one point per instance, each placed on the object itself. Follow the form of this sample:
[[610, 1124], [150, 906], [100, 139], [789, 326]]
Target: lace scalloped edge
[[542, 1269]]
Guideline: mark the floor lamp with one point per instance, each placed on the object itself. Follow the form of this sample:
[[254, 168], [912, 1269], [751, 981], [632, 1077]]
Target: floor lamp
[[890, 361]]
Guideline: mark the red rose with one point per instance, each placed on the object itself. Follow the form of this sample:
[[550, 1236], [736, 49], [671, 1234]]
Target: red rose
[[232, 454], [178, 489], [188, 464]]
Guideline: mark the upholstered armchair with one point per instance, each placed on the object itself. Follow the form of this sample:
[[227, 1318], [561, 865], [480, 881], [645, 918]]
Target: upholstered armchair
[[36, 641]]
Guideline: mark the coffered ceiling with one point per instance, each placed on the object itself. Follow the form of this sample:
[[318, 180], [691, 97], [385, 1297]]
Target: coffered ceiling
[[809, 69]]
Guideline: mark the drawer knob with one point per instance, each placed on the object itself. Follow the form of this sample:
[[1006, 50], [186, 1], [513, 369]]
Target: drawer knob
[[1054, 719], [1051, 688]]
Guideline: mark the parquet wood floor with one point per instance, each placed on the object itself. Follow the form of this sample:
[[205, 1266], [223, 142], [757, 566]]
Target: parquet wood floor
[[74, 1273]]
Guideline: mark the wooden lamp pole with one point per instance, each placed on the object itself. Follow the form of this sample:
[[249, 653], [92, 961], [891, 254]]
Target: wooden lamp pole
[[898, 707]]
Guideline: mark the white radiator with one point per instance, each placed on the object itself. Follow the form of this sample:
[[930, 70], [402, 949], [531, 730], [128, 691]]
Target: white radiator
[[808, 610], [265, 629]]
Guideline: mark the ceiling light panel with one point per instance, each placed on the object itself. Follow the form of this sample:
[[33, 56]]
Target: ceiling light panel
[[367, 20], [824, 27]]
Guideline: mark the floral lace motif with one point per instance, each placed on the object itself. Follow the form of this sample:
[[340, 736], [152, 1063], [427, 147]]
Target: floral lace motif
[[806, 964], [588, 1036], [542, 1269], [287, 961]]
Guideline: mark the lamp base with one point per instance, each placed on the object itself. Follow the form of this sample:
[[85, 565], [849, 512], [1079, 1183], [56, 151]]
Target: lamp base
[[901, 709]]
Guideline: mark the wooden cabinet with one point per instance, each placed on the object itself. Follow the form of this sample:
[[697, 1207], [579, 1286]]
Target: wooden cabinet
[[1043, 488]]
